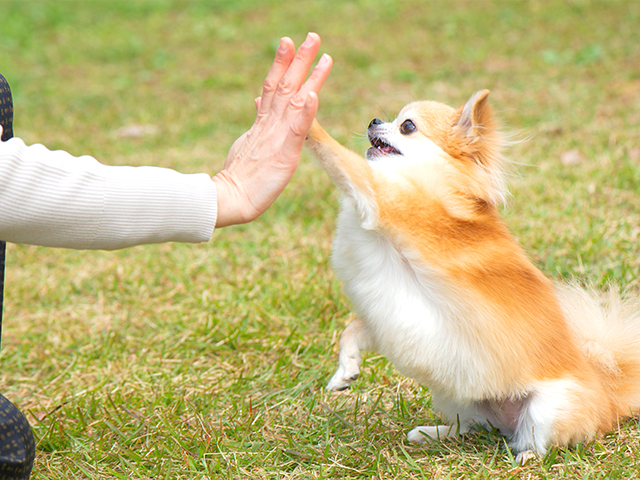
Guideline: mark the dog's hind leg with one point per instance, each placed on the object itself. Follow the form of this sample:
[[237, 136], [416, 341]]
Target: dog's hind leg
[[354, 338], [440, 432], [429, 432], [462, 418]]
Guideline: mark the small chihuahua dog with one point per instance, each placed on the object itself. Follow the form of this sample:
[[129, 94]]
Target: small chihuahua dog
[[443, 290]]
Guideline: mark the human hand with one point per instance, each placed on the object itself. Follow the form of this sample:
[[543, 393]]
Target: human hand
[[261, 162]]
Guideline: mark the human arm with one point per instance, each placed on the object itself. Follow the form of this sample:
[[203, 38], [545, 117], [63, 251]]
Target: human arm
[[51, 198], [54, 199]]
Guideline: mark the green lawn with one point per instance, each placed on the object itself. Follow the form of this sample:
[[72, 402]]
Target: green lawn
[[209, 361]]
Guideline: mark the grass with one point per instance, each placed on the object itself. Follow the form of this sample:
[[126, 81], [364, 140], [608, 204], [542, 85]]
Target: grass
[[209, 361]]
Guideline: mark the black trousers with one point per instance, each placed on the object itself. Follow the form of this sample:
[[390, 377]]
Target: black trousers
[[17, 445]]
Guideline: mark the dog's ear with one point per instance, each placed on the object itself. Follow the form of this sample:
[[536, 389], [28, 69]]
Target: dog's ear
[[474, 138], [474, 133], [474, 116]]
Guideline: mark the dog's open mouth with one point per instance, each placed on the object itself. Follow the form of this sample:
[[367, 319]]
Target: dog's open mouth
[[380, 148]]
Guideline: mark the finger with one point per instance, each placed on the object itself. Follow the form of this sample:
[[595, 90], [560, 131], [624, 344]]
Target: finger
[[313, 84], [296, 74], [318, 76], [292, 145], [258, 101], [284, 57]]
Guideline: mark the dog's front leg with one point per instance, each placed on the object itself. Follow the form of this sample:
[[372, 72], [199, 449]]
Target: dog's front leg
[[354, 338], [347, 170]]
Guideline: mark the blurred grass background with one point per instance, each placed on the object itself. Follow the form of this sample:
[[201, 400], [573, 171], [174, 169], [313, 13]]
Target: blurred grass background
[[209, 361]]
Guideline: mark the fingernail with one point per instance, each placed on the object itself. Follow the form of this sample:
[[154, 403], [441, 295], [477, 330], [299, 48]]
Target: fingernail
[[309, 38], [283, 45], [324, 59], [309, 101]]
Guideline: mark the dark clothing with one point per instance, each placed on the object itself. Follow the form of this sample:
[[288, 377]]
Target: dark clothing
[[17, 445]]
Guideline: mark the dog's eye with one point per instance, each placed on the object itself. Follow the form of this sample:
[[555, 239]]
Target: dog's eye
[[407, 127]]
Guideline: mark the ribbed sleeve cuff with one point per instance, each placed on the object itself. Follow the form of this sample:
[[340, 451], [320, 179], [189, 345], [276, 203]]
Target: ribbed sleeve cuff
[[58, 200]]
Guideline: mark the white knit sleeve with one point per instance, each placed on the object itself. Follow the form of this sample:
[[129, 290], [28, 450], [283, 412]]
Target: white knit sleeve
[[54, 199]]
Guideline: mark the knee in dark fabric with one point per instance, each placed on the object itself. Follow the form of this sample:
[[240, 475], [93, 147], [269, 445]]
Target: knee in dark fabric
[[17, 445]]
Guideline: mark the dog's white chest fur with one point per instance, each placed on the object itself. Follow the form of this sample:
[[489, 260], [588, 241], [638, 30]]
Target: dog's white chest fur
[[407, 312]]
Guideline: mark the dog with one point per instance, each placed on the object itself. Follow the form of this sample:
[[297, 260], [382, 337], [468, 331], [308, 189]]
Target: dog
[[443, 290]]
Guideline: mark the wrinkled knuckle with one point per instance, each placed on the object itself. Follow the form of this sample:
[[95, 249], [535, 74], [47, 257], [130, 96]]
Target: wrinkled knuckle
[[285, 87], [269, 86], [297, 102]]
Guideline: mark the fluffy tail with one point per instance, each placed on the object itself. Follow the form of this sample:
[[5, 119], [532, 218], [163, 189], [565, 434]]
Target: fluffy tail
[[607, 327]]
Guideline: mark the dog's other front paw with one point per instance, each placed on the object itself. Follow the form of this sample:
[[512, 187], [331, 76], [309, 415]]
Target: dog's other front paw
[[341, 380]]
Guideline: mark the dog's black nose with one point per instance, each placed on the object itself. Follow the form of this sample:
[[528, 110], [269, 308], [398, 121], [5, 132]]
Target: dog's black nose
[[375, 121]]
